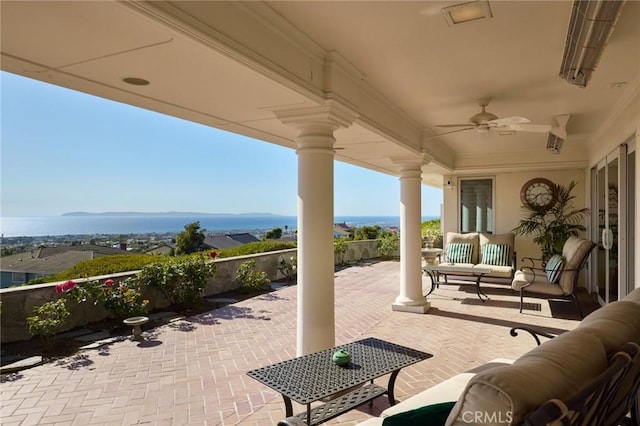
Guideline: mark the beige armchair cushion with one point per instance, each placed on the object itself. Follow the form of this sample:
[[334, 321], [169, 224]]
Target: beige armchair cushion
[[573, 251], [540, 284], [508, 394]]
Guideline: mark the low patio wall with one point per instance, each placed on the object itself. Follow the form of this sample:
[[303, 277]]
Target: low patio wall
[[18, 302]]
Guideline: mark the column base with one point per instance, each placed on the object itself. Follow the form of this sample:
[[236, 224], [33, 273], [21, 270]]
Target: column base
[[414, 309]]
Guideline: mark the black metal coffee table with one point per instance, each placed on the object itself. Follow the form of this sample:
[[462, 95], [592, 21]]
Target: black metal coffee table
[[313, 377], [434, 272]]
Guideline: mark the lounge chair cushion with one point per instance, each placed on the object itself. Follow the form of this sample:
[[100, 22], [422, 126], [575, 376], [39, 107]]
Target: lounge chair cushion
[[618, 324], [509, 393]]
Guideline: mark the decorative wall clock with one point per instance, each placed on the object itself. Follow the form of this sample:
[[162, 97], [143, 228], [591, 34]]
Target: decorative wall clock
[[538, 192]]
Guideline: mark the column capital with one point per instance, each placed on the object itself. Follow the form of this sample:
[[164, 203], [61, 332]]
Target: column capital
[[410, 165], [331, 115]]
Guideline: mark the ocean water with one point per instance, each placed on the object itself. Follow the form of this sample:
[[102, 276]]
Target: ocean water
[[94, 225]]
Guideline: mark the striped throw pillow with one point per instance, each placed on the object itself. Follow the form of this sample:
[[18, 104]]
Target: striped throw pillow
[[496, 254], [459, 252], [553, 268]]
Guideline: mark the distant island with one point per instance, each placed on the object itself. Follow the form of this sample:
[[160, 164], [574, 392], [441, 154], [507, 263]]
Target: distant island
[[178, 214]]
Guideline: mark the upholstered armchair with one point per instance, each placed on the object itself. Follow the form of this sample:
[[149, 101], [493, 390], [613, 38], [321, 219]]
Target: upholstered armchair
[[558, 277]]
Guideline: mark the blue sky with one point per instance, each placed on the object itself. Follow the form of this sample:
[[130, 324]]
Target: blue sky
[[67, 151]]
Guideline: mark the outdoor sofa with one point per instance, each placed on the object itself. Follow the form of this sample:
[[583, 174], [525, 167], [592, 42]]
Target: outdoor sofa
[[481, 250], [546, 384]]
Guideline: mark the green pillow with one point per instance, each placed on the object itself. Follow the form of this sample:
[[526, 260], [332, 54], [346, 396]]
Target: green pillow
[[430, 415]]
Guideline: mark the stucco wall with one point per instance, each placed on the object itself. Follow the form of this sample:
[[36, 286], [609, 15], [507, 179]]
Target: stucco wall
[[508, 207], [18, 302]]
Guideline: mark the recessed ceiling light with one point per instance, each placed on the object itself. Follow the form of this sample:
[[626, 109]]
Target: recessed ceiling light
[[466, 12], [136, 81]]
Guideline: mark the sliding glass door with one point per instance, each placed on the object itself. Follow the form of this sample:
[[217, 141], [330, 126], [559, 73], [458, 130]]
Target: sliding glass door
[[611, 191]]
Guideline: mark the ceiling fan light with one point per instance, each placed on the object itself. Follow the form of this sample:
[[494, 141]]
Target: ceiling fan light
[[554, 144]]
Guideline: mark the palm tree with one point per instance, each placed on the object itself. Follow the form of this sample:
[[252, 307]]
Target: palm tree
[[552, 227]]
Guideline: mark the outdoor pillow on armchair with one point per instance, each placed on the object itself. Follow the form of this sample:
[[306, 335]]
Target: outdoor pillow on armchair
[[429, 415]]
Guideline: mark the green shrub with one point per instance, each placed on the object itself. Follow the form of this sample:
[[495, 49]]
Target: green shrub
[[388, 244], [104, 265], [274, 234], [181, 281], [432, 233], [251, 280], [367, 233], [123, 299], [340, 247], [47, 321], [288, 268], [256, 247]]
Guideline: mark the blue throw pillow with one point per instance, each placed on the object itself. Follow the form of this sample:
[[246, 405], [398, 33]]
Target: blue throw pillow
[[553, 268], [496, 254], [459, 252], [430, 415]]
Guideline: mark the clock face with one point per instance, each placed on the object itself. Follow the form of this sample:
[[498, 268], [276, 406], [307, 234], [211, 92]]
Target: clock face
[[538, 192]]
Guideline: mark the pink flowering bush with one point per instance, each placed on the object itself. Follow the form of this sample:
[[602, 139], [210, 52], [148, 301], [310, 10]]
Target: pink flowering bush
[[123, 300], [65, 287]]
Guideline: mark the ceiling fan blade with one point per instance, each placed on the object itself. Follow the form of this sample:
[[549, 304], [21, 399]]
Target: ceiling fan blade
[[508, 121], [536, 128], [447, 133], [454, 125], [560, 132]]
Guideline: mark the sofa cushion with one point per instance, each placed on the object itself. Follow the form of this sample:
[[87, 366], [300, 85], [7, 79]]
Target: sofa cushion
[[496, 271], [460, 252], [429, 415], [614, 324], [559, 367], [472, 237], [553, 268], [496, 254], [509, 239]]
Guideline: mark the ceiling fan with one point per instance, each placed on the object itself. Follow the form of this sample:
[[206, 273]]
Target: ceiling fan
[[484, 121]]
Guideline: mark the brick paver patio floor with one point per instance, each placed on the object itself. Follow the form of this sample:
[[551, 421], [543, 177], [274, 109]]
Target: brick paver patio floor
[[192, 372]]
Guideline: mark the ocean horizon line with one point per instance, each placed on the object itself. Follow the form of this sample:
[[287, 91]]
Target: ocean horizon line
[[42, 226]]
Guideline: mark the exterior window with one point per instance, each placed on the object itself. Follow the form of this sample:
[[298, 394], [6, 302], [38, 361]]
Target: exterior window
[[476, 205], [18, 277]]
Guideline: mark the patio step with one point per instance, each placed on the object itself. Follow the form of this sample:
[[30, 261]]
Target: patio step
[[342, 404]]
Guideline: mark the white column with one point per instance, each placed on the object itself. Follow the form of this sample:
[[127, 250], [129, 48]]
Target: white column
[[315, 285], [411, 298]]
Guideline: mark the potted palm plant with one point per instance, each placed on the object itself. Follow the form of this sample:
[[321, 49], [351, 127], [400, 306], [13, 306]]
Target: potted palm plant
[[551, 226]]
